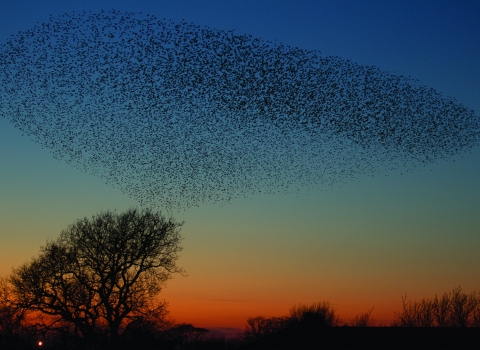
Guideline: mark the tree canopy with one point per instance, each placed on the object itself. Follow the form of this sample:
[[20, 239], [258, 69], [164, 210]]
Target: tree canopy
[[102, 273]]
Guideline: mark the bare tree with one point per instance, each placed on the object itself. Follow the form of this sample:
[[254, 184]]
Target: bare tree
[[441, 310], [102, 273], [259, 327], [11, 316], [453, 309]]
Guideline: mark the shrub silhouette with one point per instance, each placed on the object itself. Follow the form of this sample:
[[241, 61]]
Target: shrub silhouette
[[320, 314], [12, 317], [363, 320], [302, 317], [259, 327], [185, 336], [452, 309]]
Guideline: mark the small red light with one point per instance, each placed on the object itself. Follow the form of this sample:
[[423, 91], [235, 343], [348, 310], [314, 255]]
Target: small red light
[[40, 343]]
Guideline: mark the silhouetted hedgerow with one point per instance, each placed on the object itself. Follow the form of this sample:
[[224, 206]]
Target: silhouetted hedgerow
[[452, 309], [307, 327]]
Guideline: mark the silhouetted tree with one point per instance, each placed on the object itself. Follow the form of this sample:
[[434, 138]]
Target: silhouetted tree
[[102, 273], [185, 336], [148, 331], [11, 316], [259, 327], [453, 309]]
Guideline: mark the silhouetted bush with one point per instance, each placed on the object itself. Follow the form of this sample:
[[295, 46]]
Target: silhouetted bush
[[302, 317], [219, 343], [186, 336], [317, 314], [13, 331], [259, 327], [452, 309], [363, 320]]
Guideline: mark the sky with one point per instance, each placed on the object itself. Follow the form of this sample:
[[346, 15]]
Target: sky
[[360, 245]]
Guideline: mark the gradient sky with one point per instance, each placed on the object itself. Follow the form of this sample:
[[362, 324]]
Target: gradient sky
[[361, 245]]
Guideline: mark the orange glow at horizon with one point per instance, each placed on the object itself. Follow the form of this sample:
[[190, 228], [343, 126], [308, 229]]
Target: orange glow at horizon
[[234, 314]]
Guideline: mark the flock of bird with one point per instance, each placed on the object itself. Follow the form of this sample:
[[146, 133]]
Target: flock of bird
[[176, 115]]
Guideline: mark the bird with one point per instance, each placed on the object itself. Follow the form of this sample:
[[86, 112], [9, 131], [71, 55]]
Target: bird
[[177, 115]]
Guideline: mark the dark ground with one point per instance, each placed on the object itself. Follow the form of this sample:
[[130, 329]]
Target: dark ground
[[372, 338]]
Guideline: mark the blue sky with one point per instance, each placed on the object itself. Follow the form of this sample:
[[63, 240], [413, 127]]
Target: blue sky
[[365, 243]]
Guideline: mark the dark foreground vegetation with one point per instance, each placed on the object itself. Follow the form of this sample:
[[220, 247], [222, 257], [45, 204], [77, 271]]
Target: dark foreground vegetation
[[96, 288], [310, 337], [454, 324]]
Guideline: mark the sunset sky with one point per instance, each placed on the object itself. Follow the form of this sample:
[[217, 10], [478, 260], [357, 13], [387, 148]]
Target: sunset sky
[[361, 245]]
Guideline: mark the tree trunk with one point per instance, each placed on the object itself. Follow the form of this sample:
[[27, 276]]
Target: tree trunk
[[114, 336]]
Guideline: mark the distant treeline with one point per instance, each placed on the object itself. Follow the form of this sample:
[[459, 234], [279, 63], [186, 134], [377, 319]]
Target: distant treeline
[[448, 321], [451, 321], [453, 309]]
